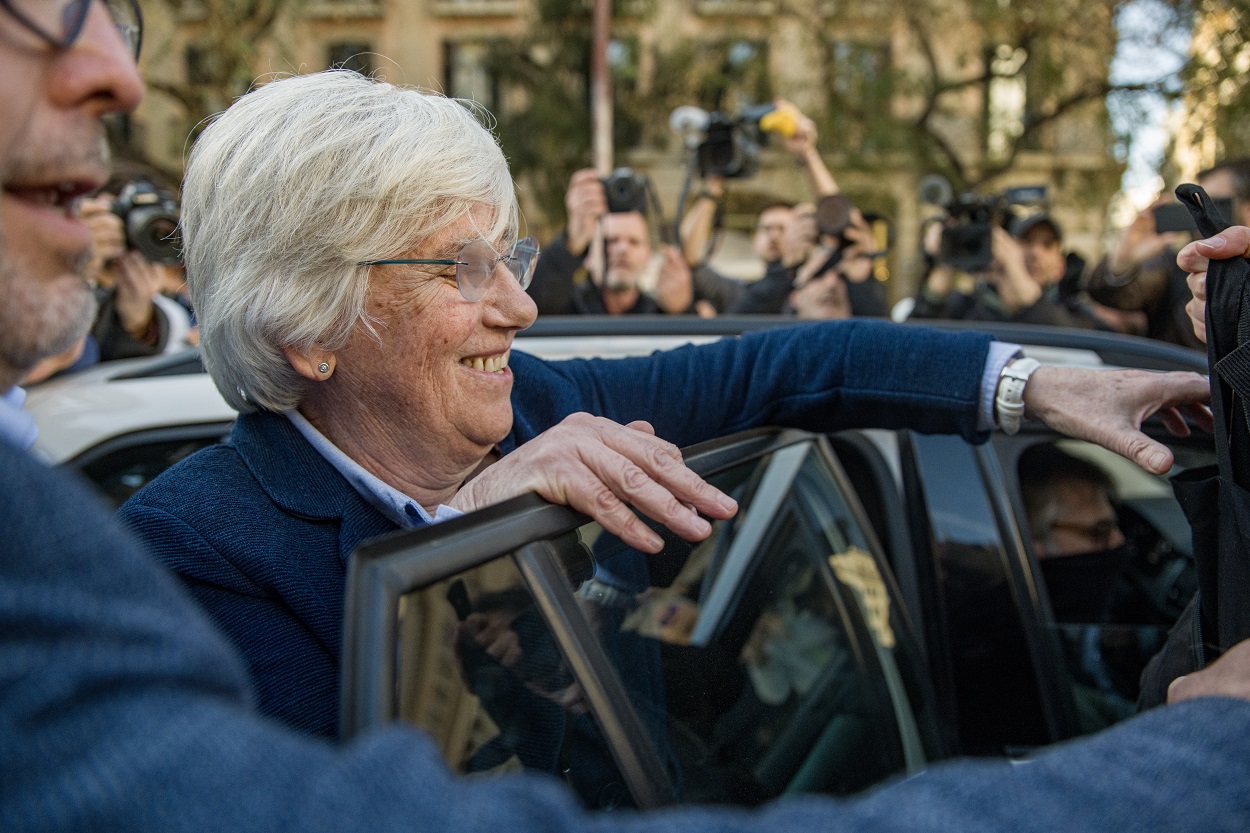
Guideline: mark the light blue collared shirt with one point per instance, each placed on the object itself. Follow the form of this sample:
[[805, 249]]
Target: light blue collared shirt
[[1000, 353], [17, 427], [396, 506]]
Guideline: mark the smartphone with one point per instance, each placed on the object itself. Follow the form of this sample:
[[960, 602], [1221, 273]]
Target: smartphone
[[1176, 217]]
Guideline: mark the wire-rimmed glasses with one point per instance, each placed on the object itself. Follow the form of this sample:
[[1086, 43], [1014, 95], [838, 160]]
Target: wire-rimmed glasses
[[475, 265], [60, 22]]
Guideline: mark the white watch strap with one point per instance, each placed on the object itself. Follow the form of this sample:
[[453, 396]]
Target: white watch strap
[[1009, 400]]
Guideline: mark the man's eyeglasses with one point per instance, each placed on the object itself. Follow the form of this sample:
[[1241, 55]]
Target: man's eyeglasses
[[60, 22], [475, 265]]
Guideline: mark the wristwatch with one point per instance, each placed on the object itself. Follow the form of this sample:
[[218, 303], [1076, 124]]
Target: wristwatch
[[1009, 399]]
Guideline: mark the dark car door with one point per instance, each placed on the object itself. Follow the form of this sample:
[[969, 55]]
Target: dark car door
[[775, 657]]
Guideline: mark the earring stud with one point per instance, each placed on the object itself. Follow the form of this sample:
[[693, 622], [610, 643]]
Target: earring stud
[[324, 367]]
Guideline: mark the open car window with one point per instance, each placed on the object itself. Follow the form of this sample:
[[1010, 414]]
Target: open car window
[[771, 658]]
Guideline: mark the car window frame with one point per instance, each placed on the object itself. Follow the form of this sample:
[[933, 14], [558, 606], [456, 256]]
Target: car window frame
[[379, 572]]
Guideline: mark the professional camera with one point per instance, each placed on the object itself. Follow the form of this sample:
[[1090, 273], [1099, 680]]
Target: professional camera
[[150, 217], [967, 238], [726, 145], [627, 191]]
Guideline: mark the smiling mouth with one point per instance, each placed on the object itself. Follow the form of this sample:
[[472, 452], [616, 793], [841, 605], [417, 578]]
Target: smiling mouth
[[489, 364], [65, 197]]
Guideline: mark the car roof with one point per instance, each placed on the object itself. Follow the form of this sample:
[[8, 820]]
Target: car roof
[[77, 413]]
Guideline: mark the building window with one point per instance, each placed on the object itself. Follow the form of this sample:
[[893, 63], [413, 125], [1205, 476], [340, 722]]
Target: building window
[[1006, 97], [353, 55], [735, 75], [466, 67], [860, 74], [202, 66]]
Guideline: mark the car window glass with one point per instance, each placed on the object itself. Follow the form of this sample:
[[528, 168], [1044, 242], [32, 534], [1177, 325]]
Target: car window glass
[[1118, 571], [764, 658], [768, 659], [479, 669], [998, 702]]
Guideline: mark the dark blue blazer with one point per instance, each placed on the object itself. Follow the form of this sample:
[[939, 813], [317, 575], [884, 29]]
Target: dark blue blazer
[[260, 528], [121, 709]]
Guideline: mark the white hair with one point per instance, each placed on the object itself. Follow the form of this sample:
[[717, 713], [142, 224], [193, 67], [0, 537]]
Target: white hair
[[296, 183]]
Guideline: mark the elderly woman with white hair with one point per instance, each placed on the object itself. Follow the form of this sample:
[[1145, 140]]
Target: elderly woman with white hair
[[351, 255]]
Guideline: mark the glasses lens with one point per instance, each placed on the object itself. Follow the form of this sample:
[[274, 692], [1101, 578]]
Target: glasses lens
[[522, 259], [475, 270], [56, 22], [129, 22]]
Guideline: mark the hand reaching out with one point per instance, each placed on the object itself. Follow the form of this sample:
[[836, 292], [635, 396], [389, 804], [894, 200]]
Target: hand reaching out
[[601, 468], [1108, 407]]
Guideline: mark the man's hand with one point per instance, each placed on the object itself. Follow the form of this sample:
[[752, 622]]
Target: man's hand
[[1229, 676], [1233, 241], [598, 467], [586, 202], [108, 235], [137, 283], [1140, 242], [799, 236], [1009, 273], [674, 287], [1108, 407]]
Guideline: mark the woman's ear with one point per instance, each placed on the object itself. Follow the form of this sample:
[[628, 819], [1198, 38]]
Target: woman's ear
[[315, 363]]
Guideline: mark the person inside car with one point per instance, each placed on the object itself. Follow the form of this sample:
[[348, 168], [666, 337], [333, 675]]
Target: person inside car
[[122, 708]]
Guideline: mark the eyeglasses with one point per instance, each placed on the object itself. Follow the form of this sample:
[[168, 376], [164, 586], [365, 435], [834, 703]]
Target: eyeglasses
[[475, 265], [60, 22], [1099, 534]]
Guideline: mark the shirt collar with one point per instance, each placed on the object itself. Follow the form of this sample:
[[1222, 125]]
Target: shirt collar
[[396, 506], [17, 428]]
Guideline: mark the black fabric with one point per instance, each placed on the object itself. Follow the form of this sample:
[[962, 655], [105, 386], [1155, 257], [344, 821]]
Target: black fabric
[[1215, 499]]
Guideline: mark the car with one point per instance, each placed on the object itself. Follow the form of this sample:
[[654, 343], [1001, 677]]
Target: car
[[874, 606]]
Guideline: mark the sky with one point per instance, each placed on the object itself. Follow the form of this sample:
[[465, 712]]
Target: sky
[[1138, 60]]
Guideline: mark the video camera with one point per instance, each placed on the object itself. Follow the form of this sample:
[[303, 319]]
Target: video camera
[[150, 217], [967, 238], [729, 146]]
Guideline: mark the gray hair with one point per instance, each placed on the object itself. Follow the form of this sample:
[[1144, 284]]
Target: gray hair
[[292, 186]]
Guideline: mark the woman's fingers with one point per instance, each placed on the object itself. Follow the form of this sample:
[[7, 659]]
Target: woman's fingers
[[602, 468]]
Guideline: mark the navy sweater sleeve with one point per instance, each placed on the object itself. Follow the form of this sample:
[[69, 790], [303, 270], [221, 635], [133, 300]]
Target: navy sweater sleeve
[[822, 377]]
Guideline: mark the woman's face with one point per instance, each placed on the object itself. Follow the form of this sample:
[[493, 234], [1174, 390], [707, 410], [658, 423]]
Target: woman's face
[[437, 370]]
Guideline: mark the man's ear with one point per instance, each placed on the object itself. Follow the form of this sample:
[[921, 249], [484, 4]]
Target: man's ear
[[315, 363]]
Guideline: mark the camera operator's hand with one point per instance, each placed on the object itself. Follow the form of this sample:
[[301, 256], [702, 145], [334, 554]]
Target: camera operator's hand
[[803, 145], [586, 202], [803, 140], [137, 283], [108, 235], [1233, 241], [1010, 275], [799, 237], [857, 252], [1140, 242], [940, 280], [674, 287]]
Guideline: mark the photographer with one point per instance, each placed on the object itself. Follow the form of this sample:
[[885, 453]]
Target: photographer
[[568, 282], [822, 272], [1021, 284], [1140, 277]]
